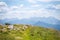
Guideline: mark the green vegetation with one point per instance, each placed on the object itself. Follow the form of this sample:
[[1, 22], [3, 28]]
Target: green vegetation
[[27, 32]]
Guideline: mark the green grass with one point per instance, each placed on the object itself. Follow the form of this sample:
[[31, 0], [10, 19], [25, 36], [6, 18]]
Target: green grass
[[29, 33]]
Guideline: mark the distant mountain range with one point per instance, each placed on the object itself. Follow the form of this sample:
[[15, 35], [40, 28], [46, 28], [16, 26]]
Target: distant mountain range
[[49, 22], [54, 26]]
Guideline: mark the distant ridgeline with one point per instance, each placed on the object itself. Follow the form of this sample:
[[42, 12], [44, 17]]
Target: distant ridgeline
[[27, 32], [49, 22]]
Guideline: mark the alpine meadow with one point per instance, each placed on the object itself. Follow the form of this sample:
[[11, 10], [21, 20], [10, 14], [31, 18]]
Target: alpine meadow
[[29, 19]]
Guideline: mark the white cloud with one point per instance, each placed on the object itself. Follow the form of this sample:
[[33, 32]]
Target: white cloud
[[21, 12], [31, 1], [35, 1], [2, 4], [35, 5], [56, 6], [26, 13], [21, 5], [3, 7], [44, 0]]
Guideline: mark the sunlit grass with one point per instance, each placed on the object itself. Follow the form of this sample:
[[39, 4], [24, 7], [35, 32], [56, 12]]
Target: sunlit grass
[[29, 32]]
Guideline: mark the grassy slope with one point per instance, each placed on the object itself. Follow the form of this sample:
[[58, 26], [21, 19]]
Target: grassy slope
[[31, 33]]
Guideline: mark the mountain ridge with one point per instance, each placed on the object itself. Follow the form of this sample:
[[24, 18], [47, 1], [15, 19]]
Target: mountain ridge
[[45, 22]]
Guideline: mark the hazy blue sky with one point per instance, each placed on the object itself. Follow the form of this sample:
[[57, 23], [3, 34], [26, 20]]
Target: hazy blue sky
[[20, 9]]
